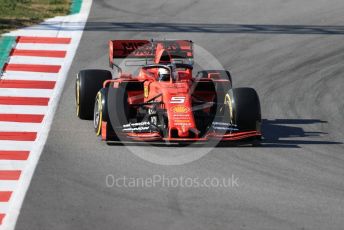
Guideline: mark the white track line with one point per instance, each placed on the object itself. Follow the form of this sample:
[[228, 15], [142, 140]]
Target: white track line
[[4, 208], [56, 27], [19, 127], [23, 109], [36, 46], [14, 92], [16, 145], [12, 165], [19, 75], [35, 60], [8, 185]]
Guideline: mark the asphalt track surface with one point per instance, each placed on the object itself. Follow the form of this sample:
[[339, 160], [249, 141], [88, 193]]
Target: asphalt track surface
[[291, 52]]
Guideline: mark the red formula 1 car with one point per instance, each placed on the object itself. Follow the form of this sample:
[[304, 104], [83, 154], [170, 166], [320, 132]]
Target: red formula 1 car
[[161, 100]]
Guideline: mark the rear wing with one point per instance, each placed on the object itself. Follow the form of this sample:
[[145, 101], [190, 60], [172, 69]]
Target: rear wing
[[148, 50]]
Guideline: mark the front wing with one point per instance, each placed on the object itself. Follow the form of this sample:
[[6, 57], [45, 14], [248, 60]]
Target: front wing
[[156, 136]]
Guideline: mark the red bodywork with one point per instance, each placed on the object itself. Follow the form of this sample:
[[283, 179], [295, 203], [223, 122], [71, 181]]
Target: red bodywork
[[176, 95]]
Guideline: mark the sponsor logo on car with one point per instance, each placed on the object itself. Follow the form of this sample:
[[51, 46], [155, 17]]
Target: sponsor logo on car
[[181, 121], [180, 109], [136, 129], [224, 126], [181, 115], [141, 126], [136, 124], [177, 100], [183, 124]]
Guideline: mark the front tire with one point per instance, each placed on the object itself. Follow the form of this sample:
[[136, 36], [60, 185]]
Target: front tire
[[118, 108], [244, 108], [101, 115]]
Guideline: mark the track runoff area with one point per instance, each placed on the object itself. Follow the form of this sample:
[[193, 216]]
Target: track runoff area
[[34, 66]]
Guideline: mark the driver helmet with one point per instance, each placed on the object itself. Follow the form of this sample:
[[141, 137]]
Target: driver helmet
[[164, 74]]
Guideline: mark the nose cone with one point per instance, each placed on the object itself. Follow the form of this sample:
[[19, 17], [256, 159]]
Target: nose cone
[[183, 131], [180, 115], [178, 104]]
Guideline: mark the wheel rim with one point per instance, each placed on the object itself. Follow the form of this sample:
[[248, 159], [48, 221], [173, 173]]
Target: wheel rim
[[77, 97], [229, 102], [97, 115]]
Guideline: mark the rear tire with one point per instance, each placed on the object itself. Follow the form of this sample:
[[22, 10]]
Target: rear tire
[[87, 85]]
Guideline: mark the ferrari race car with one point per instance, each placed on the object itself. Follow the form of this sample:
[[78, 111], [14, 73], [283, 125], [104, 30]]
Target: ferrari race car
[[161, 99]]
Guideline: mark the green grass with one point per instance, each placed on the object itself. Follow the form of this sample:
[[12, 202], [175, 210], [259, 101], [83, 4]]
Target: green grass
[[6, 44], [15, 14]]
